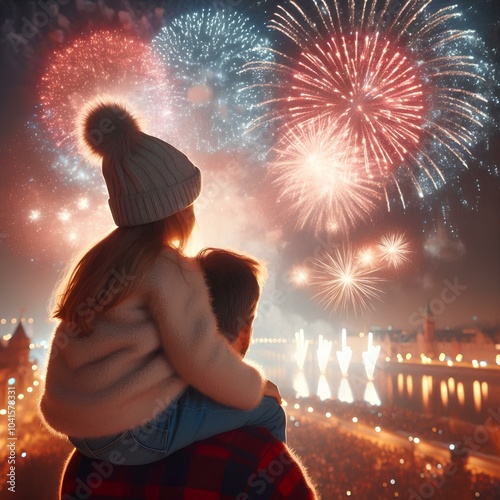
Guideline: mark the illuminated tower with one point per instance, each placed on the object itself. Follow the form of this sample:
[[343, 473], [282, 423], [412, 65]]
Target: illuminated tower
[[429, 330], [15, 359], [19, 347]]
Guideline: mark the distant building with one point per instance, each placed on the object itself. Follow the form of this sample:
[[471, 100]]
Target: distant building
[[15, 360], [467, 344], [429, 332]]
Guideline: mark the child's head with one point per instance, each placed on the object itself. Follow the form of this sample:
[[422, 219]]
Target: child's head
[[152, 187], [234, 281], [148, 179]]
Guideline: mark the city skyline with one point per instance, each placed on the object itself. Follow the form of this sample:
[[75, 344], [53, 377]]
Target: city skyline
[[453, 235]]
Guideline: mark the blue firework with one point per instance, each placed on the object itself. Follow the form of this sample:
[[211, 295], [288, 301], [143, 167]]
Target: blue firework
[[214, 101]]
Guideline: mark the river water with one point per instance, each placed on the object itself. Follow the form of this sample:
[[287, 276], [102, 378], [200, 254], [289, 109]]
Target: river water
[[461, 393]]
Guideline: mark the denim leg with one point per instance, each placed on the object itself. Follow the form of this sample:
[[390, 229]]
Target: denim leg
[[198, 417], [140, 445]]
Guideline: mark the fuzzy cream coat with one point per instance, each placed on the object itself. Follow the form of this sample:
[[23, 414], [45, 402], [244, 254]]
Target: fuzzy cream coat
[[141, 355]]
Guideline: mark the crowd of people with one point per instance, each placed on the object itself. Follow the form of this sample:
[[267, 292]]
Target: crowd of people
[[39, 456], [398, 419], [343, 465]]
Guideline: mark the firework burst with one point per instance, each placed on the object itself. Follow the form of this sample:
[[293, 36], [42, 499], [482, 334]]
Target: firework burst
[[344, 283], [408, 90], [323, 185], [214, 101], [102, 64], [367, 256], [71, 209], [299, 276], [394, 250]]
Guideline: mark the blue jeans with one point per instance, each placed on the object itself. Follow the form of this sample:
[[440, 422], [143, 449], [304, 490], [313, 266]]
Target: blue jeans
[[189, 418]]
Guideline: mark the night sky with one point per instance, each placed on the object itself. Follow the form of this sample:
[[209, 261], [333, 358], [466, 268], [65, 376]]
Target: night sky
[[454, 234]]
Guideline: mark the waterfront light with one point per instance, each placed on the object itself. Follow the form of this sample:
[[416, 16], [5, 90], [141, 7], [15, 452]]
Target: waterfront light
[[323, 353], [371, 395], [344, 393], [370, 357], [476, 391], [344, 356], [323, 392], [300, 385], [301, 346]]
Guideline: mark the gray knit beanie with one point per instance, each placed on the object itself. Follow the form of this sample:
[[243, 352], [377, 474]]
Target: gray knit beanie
[[147, 178]]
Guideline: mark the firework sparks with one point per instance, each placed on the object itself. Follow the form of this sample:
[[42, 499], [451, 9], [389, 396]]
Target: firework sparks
[[213, 99], [408, 90], [68, 224], [324, 185], [92, 66], [98, 65], [367, 257], [394, 250], [344, 283], [299, 276]]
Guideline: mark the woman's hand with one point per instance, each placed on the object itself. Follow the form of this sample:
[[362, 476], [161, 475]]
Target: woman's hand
[[272, 390]]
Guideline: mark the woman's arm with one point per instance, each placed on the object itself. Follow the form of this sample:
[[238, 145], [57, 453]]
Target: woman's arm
[[180, 306]]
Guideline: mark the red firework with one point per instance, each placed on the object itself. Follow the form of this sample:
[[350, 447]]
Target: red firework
[[370, 88]]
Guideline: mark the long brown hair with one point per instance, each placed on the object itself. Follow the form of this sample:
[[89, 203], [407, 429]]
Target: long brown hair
[[116, 266]]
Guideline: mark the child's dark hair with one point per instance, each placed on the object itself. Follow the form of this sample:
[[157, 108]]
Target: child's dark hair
[[234, 281]]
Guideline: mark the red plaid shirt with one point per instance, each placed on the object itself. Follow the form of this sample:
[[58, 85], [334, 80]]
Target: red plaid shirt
[[244, 464]]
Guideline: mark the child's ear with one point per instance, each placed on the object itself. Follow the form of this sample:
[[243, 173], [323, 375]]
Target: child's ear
[[242, 342]]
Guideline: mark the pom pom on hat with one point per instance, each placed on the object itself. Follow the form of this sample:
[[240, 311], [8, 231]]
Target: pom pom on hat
[[107, 125], [147, 178]]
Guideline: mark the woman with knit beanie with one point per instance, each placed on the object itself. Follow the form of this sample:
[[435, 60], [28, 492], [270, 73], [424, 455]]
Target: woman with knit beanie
[[136, 327]]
